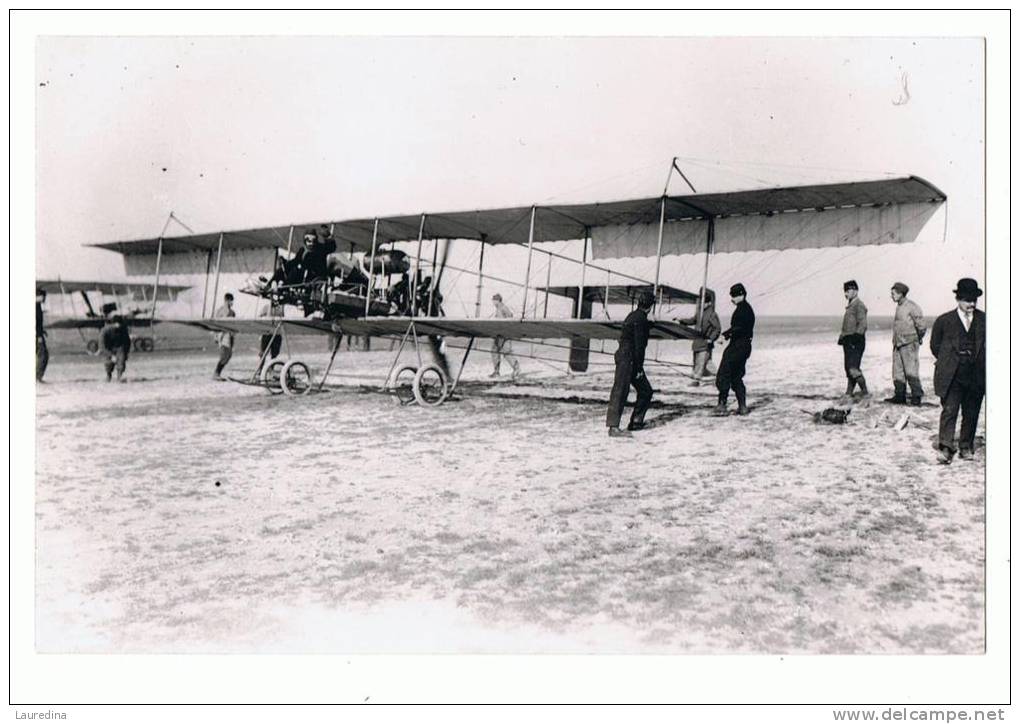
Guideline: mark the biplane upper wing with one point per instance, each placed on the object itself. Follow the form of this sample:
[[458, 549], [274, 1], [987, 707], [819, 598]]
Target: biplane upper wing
[[884, 211], [138, 292], [443, 326]]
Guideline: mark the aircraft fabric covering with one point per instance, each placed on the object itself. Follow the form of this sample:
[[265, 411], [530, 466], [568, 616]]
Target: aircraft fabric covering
[[857, 226], [865, 212]]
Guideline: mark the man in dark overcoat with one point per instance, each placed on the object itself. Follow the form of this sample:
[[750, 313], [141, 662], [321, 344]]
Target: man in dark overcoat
[[630, 370], [958, 343]]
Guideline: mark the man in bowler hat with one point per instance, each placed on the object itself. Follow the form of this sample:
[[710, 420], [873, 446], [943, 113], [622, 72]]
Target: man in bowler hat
[[630, 370], [958, 343], [851, 338], [735, 356]]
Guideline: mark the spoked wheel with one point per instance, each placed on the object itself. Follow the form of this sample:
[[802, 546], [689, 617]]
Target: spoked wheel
[[401, 384], [296, 378], [92, 347], [430, 386], [272, 374], [146, 344]]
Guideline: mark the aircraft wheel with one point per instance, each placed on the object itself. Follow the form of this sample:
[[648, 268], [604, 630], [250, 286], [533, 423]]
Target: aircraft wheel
[[146, 344], [92, 347], [401, 384], [430, 386], [272, 375], [136, 344], [296, 378]]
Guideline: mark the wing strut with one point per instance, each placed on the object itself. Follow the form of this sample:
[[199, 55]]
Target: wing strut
[[159, 259], [527, 270], [371, 269], [216, 284]]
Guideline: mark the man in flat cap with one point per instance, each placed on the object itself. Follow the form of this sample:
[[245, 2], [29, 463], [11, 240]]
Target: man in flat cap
[[630, 370], [734, 358], [851, 338], [908, 333], [706, 322], [958, 343]]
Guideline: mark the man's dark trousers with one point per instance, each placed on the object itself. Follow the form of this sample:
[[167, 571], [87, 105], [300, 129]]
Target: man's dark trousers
[[625, 377], [965, 397], [732, 367]]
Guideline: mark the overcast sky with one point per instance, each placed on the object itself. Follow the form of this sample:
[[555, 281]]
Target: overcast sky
[[242, 132]]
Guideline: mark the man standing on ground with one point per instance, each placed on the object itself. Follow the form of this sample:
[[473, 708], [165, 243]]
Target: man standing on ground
[[42, 353], [958, 343], [270, 341], [224, 340], [707, 325], [908, 333], [851, 338], [501, 347], [116, 344], [734, 359], [630, 370]]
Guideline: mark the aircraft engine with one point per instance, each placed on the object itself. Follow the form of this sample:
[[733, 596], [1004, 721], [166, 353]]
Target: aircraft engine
[[391, 261]]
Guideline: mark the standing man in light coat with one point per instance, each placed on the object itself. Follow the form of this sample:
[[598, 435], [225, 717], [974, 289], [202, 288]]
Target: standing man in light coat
[[706, 322], [908, 333], [224, 340], [501, 347], [851, 338]]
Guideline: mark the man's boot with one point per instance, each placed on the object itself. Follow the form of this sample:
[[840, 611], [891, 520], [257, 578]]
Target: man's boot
[[850, 383], [915, 401], [742, 408], [617, 432], [720, 410], [864, 387], [899, 396]]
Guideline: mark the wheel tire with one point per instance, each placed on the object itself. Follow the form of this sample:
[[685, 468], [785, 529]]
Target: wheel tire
[[430, 386], [401, 384], [296, 378], [92, 347], [272, 374], [146, 344], [136, 344]]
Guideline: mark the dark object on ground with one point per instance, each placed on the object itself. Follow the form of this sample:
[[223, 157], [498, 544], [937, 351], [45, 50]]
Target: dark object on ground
[[831, 415]]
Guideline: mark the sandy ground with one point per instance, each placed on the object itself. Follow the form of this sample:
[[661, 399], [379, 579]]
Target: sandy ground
[[179, 514]]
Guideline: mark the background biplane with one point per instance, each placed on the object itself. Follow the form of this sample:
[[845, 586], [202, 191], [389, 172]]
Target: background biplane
[[889, 211], [132, 300]]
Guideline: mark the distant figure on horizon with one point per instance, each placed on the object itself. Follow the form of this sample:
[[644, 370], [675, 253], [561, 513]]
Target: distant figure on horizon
[[501, 346], [224, 340], [851, 339], [630, 370], [116, 344], [42, 352], [958, 343], [733, 364], [908, 333], [706, 322]]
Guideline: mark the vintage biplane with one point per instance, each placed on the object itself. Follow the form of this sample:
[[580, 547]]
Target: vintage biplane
[[368, 303], [106, 298]]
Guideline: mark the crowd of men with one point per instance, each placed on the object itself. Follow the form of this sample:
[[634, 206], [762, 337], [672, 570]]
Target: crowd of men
[[957, 342]]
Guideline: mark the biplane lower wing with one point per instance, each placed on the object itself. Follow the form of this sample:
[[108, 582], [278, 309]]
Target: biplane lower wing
[[97, 322], [442, 326]]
